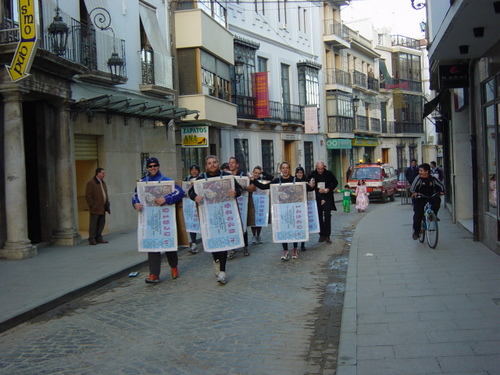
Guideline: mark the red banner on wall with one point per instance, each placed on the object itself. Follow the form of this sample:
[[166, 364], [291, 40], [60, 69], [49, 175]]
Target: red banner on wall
[[261, 94]]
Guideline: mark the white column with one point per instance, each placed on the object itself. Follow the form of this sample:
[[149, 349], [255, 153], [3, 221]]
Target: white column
[[17, 246], [66, 232]]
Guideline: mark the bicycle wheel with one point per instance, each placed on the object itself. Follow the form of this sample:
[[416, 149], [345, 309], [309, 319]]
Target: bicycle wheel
[[432, 230], [423, 225]]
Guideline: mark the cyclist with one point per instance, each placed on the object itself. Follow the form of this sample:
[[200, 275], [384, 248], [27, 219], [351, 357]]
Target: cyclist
[[427, 185]]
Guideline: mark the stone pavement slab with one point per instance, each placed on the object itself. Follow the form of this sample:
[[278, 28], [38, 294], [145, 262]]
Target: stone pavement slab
[[414, 310]]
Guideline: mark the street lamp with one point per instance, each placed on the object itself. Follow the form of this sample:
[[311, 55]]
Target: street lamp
[[58, 33], [355, 104], [418, 4], [239, 65], [102, 20]]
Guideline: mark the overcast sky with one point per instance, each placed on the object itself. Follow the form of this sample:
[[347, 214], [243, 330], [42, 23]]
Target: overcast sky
[[395, 14]]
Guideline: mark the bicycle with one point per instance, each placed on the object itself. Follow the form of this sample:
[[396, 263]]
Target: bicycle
[[429, 227]]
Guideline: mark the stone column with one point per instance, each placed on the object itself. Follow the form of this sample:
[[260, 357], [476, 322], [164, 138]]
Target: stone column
[[66, 232], [17, 246]]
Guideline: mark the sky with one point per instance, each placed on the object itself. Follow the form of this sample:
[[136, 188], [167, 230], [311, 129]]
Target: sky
[[395, 14]]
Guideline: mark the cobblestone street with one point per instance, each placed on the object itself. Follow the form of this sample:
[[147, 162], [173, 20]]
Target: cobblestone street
[[272, 317]]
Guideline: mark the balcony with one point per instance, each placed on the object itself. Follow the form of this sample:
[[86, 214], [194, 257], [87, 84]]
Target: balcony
[[340, 125], [335, 34], [335, 78], [156, 70], [361, 123], [212, 110], [211, 7], [408, 127], [403, 84], [278, 112], [404, 41]]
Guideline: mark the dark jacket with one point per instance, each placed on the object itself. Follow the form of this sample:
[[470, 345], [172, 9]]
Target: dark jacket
[[171, 198], [330, 183], [411, 173], [95, 199]]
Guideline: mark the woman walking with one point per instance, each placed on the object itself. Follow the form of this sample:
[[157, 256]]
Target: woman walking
[[362, 196]]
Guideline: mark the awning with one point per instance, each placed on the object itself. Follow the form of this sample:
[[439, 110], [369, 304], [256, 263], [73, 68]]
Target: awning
[[431, 106], [383, 69], [142, 108]]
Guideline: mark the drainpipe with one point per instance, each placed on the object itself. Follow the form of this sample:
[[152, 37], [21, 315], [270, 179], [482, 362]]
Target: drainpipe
[[473, 143]]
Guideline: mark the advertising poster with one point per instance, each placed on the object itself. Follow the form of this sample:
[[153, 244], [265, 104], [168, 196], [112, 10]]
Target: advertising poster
[[289, 212], [189, 210], [219, 216], [243, 200], [312, 212], [261, 205], [157, 228]]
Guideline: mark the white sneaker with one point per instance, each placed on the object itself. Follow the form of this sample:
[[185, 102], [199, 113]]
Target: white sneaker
[[254, 240], [193, 249], [222, 278], [216, 268], [259, 240]]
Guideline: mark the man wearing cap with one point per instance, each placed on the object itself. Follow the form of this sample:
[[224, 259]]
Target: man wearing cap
[[154, 258]]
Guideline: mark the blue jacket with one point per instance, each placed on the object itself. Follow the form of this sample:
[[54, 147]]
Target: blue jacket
[[171, 198]]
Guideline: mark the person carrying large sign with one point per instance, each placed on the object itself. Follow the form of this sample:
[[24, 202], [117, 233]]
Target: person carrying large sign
[[215, 192]]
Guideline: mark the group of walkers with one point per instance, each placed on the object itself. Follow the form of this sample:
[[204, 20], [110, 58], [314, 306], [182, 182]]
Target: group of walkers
[[322, 181]]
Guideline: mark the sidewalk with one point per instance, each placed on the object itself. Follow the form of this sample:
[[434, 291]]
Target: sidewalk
[[409, 309], [59, 273]]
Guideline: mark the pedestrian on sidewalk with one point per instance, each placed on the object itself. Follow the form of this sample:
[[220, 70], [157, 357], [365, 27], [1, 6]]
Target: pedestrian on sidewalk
[[194, 172], [326, 183], [346, 198], [300, 176], [213, 171], [412, 171], [154, 258], [362, 194], [96, 195]]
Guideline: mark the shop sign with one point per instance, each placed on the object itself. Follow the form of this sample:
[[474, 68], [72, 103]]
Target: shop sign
[[338, 144], [453, 76], [290, 137], [194, 136], [366, 142]]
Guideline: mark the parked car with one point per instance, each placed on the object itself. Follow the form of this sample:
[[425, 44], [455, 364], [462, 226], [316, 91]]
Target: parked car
[[381, 180], [403, 183]]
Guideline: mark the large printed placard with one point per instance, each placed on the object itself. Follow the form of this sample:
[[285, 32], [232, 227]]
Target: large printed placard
[[189, 210], [312, 212], [289, 212], [219, 216], [157, 228], [243, 200], [261, 206]]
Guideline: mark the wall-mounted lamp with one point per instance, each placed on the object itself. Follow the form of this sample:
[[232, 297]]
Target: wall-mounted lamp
[[102, 20], [464, 49], [239, 66], [355, 104], [478, 32], [58, 33], [423, 26]]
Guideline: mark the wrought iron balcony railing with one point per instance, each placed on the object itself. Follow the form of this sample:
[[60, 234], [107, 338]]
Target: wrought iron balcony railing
[[279, 112], [407, 127], [339, 124], [337, 77], [404, 41]]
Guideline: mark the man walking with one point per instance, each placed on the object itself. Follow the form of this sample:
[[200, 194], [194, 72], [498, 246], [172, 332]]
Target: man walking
[[96, 195], [234, 169], [411, 172], [326, 183]]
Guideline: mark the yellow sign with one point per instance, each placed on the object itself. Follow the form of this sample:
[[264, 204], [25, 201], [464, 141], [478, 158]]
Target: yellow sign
[[26, 49], [194, 136]]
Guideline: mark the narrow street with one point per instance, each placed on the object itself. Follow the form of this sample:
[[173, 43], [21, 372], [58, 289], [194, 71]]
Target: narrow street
[[272, 317]]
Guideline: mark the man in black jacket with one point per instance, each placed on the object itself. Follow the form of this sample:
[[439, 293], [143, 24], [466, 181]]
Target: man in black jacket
[[326, 183]]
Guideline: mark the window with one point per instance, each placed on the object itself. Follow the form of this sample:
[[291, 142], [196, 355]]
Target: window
[[400, 149], [308, 157], [215, 76], [285, 90], [407, 66], [241, 153], [308, 84], [262, 64], [491, 131], [194, 155], [267, 156], [245, 53]]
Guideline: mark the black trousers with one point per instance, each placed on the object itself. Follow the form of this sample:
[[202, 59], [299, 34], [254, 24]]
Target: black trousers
[[154, 261], [96, 226], [418, 210], [221, 256], [325, 218]]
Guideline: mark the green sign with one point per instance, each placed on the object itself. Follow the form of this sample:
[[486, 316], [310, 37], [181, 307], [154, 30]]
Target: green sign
[[336, 144]]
